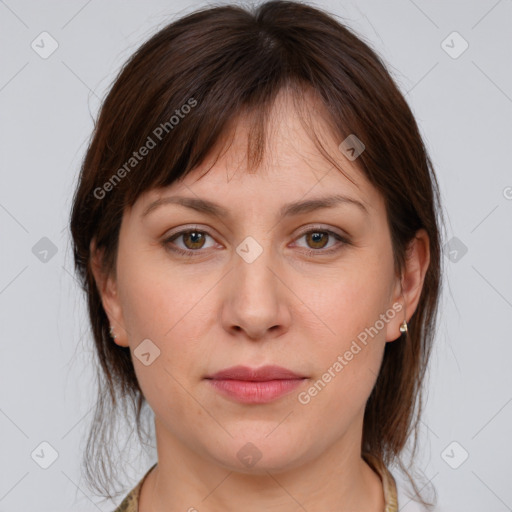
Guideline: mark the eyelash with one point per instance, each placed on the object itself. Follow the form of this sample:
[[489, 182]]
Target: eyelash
[[168, 242]]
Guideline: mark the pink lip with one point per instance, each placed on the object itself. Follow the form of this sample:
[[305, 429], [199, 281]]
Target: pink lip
[[255, 385]]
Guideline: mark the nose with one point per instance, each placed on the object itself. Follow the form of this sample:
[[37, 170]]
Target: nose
[[256, 302]]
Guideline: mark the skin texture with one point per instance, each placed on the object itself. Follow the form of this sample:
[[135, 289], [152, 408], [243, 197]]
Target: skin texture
[[300, 311]]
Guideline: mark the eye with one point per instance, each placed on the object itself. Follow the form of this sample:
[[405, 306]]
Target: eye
[[193, 240], [319, 238]]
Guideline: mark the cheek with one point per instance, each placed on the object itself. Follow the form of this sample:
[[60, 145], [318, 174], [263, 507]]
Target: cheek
[[350, 331], [347, 371], [168, 307], [157, 298], [347, 301]]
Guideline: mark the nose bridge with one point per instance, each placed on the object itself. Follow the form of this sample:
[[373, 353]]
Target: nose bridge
[[252, 272], [255, 301]]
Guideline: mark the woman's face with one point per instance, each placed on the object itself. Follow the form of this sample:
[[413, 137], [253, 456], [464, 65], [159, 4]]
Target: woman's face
[[265, 282]]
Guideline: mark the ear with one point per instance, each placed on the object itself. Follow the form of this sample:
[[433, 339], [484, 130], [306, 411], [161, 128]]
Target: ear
[[107, 287], [408, 287]]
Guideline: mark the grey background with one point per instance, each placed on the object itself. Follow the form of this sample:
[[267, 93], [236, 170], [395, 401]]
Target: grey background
[[464, 108]]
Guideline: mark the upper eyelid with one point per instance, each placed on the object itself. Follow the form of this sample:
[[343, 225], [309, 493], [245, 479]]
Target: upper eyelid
[[318, 227], [302, 230]]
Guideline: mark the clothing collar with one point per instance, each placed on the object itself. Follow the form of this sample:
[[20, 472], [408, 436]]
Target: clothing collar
[[131, 501]]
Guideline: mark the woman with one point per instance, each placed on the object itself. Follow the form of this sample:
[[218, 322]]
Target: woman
[[256, 229]]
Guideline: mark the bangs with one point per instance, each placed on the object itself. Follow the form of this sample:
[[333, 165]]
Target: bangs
[[197, 84], [201, 131]]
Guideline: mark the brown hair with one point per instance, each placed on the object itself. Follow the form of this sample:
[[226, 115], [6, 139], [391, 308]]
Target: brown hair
[[219, 62]]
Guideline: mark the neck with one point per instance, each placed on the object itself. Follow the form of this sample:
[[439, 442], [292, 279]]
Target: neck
[[338, 480]]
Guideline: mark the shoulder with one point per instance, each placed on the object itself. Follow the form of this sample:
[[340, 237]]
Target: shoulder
[[131, 501], [406, 497]]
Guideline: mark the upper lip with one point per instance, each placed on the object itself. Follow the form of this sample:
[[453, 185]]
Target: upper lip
[[264, 373]]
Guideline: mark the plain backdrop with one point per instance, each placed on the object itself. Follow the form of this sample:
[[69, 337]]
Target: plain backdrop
[[451, 59]]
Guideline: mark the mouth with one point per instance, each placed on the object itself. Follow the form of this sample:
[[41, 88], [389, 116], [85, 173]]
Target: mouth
[[255, 385]]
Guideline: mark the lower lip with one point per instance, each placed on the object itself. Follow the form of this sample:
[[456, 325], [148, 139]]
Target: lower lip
[[255, 392]]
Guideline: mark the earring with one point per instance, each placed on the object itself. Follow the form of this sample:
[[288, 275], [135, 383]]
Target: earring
[[114, 336], [403, 326]]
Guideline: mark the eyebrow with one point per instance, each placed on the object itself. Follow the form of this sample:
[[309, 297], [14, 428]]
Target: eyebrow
[[288, 210]]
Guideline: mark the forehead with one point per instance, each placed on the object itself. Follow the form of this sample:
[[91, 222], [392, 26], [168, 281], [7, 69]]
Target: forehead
[[292, 167]]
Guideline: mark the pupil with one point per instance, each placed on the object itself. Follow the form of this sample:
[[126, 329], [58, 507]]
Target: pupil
[[317, 238], [194, 238]]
